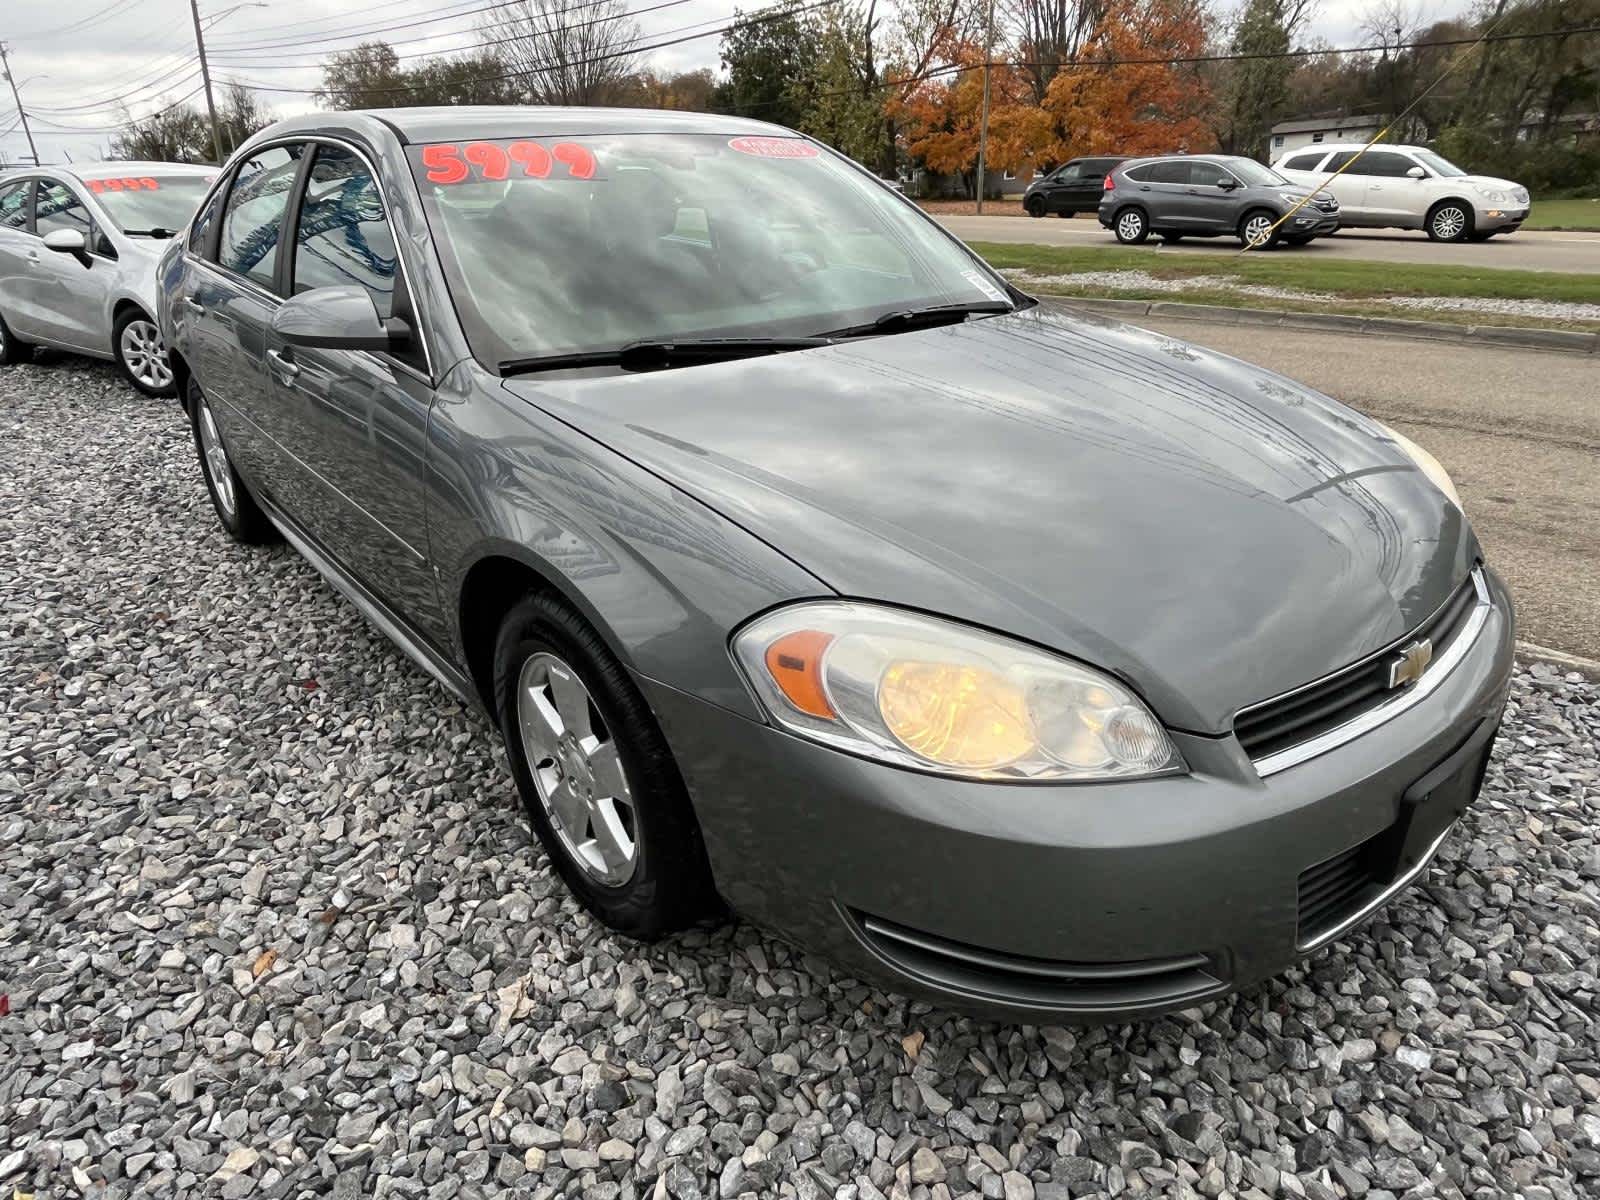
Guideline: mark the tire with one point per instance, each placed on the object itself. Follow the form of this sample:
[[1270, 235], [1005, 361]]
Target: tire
[[635, 858], [1131, 226], [1035, 206], [1251, 227], [235, 507], [1449, 221], [13, 351], [141, 355]]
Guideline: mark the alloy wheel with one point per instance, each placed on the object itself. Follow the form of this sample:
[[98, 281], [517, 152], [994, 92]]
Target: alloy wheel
[[1130, 225], [215, 460], [577, 770], [1448, 223], [1257, 230], [145, 355]]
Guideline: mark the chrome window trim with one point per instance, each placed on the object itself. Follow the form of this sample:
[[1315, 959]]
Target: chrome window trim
[[429, 376], [1323, 936], [1387, 710]]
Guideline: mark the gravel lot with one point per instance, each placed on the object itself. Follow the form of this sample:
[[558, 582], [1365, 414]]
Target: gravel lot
[[271, 925]]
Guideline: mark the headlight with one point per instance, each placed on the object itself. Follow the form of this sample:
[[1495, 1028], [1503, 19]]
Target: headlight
[[1493, 195], [1291, 199], [1426, 463], [925, 693]]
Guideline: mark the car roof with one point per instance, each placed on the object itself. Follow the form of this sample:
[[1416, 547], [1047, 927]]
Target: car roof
[[520, 120], [1323, 147], [98, 170], [1213, 158]]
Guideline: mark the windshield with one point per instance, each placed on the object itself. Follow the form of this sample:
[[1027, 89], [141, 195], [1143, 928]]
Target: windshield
[[555, 246], [140, 204], [1439, 166], [1253, 173]]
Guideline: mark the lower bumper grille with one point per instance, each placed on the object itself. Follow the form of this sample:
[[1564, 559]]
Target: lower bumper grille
[[1001, 978]]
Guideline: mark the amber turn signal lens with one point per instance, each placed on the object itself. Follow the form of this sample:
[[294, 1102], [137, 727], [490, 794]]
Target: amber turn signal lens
[[795, 663], [955, 715]]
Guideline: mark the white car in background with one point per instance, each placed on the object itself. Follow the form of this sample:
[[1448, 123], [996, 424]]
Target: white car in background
[[78, 251], [1409, 187]]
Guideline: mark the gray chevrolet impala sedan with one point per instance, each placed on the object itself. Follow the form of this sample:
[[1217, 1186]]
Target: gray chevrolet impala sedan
[[1029, 662]]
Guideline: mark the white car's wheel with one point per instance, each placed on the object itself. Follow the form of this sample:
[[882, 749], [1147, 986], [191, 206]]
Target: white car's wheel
[[142, 355], [1449, 222]]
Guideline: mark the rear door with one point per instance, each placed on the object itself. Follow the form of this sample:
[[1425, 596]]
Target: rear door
[[1349, 188], [1167, 183], [227, 300], [356, 422], [69, 297]]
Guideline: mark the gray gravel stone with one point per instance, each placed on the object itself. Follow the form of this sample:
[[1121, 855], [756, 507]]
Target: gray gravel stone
[[264, 888]]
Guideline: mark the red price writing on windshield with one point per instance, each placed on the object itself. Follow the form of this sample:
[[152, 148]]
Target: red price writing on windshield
[[449, 163], [128, 184]]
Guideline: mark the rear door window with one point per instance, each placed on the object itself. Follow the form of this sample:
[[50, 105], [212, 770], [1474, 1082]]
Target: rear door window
[[58, 207], [1339, 160], [1303, 162], [1174, 171], [252, 221]]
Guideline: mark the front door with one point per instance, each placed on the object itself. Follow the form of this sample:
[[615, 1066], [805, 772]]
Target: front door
[[1209, 206], [67, 297], [1393, 197], [360, 420]]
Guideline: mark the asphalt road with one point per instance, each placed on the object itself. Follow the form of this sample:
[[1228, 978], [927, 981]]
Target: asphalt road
[[1523, 250], [1518, 430]]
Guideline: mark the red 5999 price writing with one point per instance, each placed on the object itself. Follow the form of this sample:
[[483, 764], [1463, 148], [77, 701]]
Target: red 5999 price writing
[[449, 163]]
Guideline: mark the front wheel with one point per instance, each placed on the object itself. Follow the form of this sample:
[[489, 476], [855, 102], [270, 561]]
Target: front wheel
[[12, 351], [1035, 206], [599, 784], [236, 508], [1131, 227], [142, 355], [1257, 232], [1449, 222]]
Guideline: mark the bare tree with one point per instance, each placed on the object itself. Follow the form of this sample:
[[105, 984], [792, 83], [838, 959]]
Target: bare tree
[[1049, 34], [566, 54]]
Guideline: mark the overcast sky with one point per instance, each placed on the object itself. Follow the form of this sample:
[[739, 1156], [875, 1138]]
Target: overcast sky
[[77, 61]]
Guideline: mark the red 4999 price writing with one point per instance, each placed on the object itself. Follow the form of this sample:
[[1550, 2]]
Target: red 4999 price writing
[[449, 163]]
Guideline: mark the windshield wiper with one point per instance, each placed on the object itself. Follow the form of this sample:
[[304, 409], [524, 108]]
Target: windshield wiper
[[922, 318], [648, 356], [157, 232]]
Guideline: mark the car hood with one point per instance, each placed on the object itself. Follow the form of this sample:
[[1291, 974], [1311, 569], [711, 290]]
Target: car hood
[[1488, 181], [1209, 531]]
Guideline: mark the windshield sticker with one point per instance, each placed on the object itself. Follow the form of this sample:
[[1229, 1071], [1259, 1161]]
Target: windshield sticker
[[143, 183], [448, 163], [773, 147], [984, 284]]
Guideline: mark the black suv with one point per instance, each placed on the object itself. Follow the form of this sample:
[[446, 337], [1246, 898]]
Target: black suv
[[1072, 188], [1211, 195]]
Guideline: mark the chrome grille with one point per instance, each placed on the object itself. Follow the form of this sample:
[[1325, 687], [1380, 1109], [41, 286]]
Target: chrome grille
[[1273, 731]]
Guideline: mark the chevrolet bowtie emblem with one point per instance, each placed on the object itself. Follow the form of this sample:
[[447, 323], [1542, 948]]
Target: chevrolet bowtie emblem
[[1410, 664]]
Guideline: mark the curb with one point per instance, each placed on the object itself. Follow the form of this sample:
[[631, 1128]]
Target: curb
[[1566, 340], [1589, 668]]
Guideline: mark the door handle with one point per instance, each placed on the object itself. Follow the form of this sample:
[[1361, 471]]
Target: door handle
[[1144, 187], [286, 368], [193, 305], [33, 256]]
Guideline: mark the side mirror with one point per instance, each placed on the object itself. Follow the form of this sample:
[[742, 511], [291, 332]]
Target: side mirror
[[1227, 183], [1416, 173], [68, 241], [338, 318]]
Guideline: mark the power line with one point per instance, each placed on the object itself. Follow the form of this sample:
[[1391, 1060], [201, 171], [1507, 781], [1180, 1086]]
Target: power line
[[167, 77], [178, 103], [764, 16], [80, 23], [252, 65], [498, 4]]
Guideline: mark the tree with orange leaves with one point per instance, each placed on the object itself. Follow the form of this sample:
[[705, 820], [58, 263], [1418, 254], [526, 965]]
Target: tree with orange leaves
[[1116, 100]]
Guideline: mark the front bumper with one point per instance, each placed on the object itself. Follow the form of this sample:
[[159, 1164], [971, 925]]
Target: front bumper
[[1086, 902], [1496, 218], [1313, 222]]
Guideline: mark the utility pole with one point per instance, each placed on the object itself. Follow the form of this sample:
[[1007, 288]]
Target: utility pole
[[22, 112], [205, 76], [983, 121]]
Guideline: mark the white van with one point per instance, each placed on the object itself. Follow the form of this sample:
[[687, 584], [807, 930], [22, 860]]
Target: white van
[[1409, 187]]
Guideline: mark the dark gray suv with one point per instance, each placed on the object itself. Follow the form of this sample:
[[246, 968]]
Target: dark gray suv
[[804, 565], [1212, 195]]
